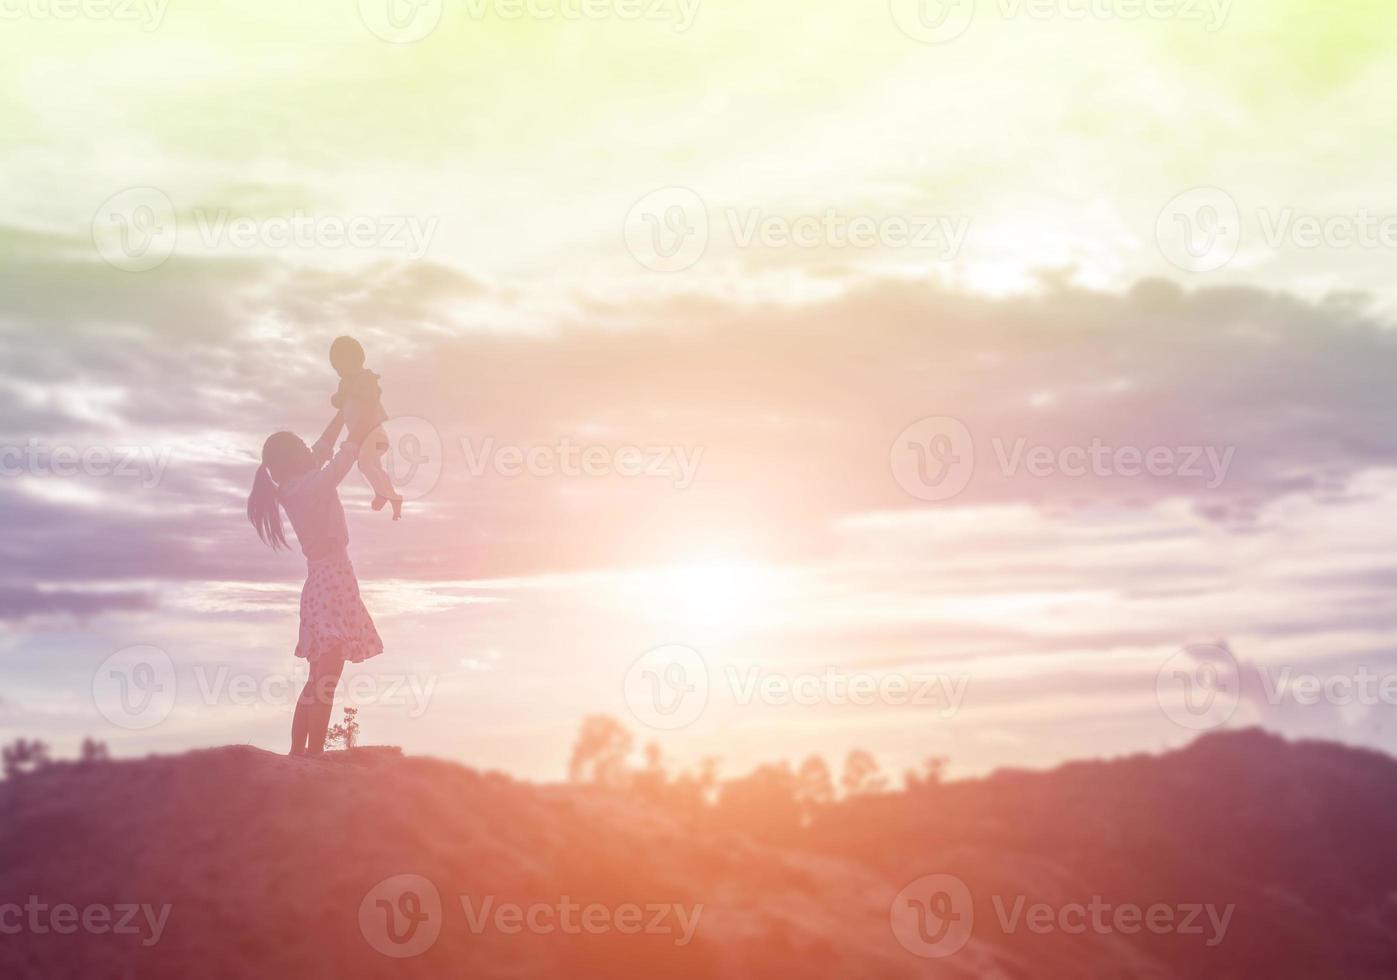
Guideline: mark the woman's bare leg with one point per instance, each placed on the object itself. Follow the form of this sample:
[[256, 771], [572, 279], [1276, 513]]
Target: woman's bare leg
[[324, 679], [300, 720]]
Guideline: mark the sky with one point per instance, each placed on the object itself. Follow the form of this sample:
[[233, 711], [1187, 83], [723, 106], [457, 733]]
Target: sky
[[1003, 381]]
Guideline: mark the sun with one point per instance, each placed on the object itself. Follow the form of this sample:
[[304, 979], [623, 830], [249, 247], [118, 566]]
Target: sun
[[714, 592]]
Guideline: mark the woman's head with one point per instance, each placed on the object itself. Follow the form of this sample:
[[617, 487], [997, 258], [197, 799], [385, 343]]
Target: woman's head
[[284, 457]]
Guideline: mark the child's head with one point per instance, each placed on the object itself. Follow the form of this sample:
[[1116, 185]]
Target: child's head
[[284, 457], [346, 355]]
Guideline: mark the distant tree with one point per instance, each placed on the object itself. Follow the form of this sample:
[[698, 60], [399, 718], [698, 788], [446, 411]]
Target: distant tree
[[600, 752], [765, 803], [652, 781], [654, 762], [933, 771], [23, 756], [814, 787], [694, 792], [93, 751], [345, 733], [707, 776], [861, 775]]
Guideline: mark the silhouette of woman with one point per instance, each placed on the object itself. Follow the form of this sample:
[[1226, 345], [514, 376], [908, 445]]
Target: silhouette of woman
[[335, 626]]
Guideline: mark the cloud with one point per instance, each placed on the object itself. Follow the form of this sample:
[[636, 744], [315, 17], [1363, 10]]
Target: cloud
[[20, 603], [790, 412]]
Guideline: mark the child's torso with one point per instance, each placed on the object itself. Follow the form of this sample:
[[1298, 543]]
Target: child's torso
[[361, 399]]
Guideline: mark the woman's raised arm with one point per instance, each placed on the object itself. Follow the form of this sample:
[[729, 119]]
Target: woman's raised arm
[[325, 446], [339, 463]]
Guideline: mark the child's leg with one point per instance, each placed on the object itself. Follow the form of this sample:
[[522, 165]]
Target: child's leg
[[371, 454]]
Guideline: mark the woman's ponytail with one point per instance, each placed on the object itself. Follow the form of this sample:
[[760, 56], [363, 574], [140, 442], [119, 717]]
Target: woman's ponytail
[[264, 511]]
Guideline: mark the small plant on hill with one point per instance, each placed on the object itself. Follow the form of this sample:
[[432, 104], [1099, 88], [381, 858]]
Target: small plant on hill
[[345, 734]]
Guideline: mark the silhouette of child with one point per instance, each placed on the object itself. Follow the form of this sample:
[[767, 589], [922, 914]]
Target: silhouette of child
[[359, 398]]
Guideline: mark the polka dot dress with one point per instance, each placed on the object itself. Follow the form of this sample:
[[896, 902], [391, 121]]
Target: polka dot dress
[[333, 617]]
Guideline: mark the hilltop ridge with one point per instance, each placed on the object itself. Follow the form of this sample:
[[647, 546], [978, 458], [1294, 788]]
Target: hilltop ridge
[[275, 862]]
